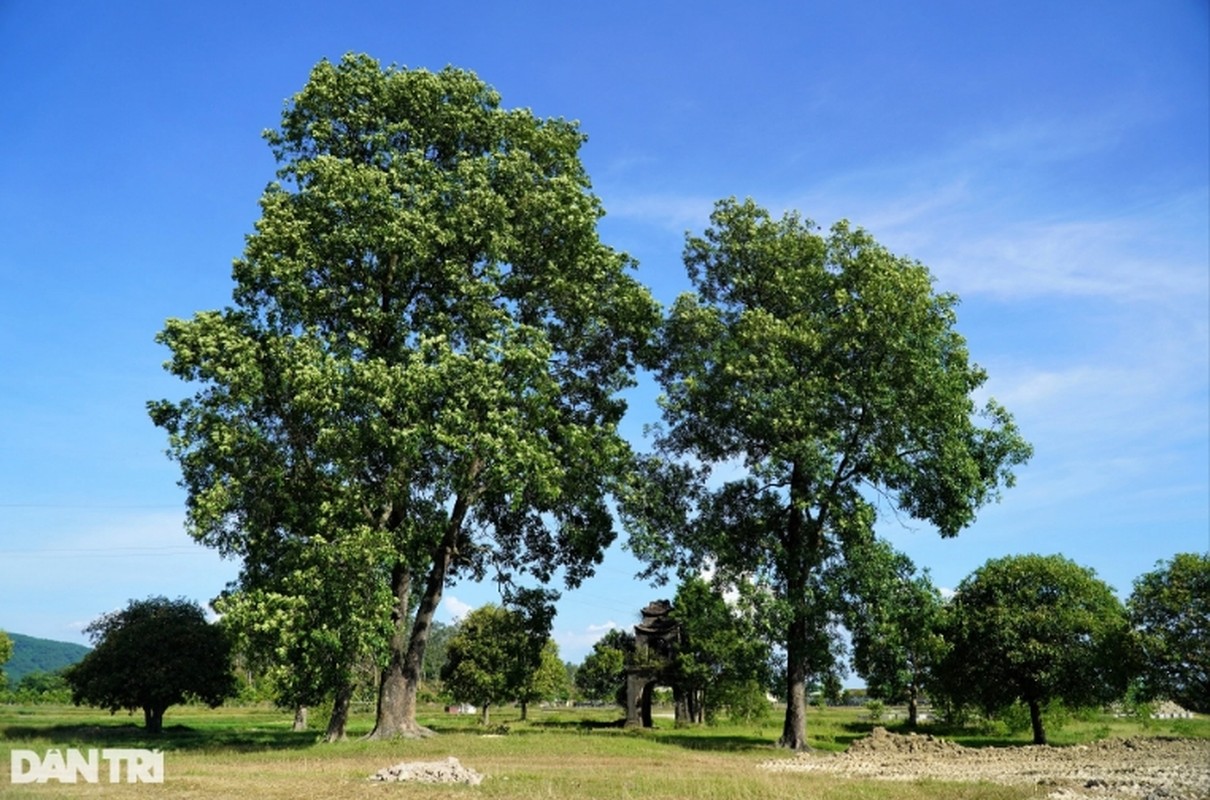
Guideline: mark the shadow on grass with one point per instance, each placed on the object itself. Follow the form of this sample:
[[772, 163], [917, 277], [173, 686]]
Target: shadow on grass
[[173, 737], [724, 743], [578, 724]]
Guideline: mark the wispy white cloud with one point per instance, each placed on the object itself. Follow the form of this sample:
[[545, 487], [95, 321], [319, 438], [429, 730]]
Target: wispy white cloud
[[574, 644], [454, 608]]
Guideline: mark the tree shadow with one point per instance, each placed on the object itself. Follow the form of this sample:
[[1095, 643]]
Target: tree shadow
[[173, 737], [691, 739]]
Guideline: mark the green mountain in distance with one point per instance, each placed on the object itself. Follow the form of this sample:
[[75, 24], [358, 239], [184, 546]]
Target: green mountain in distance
[[31, 654]]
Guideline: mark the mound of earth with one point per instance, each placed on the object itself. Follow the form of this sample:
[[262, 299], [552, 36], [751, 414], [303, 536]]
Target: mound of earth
[[448, 771], [1112, 769]]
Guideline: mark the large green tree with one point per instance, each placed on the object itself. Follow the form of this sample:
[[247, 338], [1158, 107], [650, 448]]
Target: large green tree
[[423, 361], [1170, 609], [151, 655], [1035, 629], [802, 373]]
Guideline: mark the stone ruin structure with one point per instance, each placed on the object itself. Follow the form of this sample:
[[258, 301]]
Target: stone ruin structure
[[656, 640]]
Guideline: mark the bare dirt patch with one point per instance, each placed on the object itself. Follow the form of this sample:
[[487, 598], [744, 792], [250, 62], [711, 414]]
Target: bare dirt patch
[[1112, 769]]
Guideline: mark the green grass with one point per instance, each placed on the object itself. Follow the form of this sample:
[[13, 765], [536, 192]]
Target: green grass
[[252, 753]]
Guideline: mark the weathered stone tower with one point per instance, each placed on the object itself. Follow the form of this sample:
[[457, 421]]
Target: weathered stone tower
[[655, 643]]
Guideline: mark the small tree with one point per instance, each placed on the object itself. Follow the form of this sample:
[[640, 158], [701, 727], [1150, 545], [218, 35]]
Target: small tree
[[153, 654], [6, 652], [602, 677], [479, 657], [1170, 609], [1035, 629], [895, 619], [720, 656], [547, 681]]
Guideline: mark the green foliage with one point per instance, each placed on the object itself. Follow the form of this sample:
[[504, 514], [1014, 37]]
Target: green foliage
[[489, 660], [602, 677], [42, 687], [1039, 630], [808, 368], [1170, 609], [479, 657], [422, 365], [895, 619], [153, 654], [6, 652], [720, 654], [875, 709]]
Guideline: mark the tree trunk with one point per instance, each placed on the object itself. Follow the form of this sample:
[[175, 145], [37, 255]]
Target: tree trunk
[[485, 717], [153, 718], [682, 703], [800, 546], [390, 716], [794, 731], [300, 719], [911, 720], [340, 713], [1035, 719], [524, 710], [396, 717]]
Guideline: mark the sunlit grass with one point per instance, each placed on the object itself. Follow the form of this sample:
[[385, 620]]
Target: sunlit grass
[[581, 753]]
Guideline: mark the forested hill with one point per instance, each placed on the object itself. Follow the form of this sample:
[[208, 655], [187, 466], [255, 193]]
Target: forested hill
[[39, 655]]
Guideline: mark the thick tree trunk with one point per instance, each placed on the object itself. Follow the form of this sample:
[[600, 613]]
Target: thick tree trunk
[[524, 710], [153, 719], [485, 716], [800, 553], [911, 720], [682, 705], [794, 731], [300, 719], [340, 714], [1035, 719], [396, 716], [390, 715]]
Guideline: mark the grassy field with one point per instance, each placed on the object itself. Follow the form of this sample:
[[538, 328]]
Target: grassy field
[[251, 753]]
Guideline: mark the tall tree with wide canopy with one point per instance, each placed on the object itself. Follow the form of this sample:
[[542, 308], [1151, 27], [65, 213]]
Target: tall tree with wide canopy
[[424, 355], [803, 370], [1035, 629]]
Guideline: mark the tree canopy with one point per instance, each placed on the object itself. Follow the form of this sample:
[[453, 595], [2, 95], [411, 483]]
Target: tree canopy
[[895, 618], [1035, 629], [602, 677], [1170, 609], [803, 370], [153, 654], [720, 656], [495, 655], [422, 364]]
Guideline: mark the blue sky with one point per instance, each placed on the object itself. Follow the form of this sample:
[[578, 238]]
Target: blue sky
[[1050, 162]]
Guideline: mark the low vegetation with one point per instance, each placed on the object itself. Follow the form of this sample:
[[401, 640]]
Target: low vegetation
[[572, 753]]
